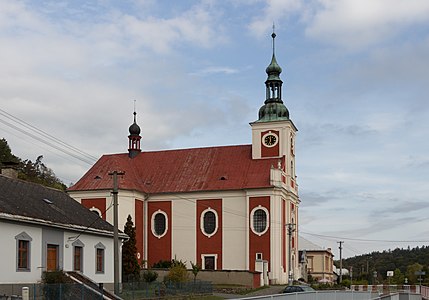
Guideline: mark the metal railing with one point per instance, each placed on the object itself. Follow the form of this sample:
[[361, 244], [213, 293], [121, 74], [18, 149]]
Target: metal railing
[[129, 291], [320, 295]]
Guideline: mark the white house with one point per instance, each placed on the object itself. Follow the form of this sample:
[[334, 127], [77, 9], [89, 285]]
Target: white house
[[43, 229], [225, 208]]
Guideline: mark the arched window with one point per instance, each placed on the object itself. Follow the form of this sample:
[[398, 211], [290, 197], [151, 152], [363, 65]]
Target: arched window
[[259, 220], [209, 222], [159, 223]]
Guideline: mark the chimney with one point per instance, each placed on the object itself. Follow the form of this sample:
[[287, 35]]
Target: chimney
[[9, 169]]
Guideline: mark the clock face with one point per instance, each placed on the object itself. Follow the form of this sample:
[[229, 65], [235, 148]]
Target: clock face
[[270, 140]]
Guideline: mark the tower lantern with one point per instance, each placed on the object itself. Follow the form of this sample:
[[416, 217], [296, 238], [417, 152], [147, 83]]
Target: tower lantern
[[134, 139]]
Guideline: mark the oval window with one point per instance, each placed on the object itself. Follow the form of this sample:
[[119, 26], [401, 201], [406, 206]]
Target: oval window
[[159, 224], [259, 220], [209, 222]]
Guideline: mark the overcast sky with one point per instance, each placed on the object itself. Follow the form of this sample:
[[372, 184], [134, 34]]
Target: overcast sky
[[355, 79]]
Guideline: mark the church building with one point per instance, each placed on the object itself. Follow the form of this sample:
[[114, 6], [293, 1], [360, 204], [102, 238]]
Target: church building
[[224, 208]]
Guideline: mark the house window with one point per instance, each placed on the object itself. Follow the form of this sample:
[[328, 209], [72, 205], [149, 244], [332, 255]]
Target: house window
[[23, 254], [100, 261], [99, 258], [209, 222], [159, 223], [78, 255], [258, 256], [23, 247], [259, 220]]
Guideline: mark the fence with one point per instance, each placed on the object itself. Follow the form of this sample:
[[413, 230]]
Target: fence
[[139, 290], [61, 291], [130, 291]]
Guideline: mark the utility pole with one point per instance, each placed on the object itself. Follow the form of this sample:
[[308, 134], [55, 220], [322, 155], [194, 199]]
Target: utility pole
[[115, 231], [290, 230], [341, 260]]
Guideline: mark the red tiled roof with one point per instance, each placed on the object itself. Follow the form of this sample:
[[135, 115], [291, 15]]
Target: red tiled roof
[[184, 170]]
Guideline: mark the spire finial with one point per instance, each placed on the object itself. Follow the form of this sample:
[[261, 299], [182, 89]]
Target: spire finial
[[134, 113], [273, 35]]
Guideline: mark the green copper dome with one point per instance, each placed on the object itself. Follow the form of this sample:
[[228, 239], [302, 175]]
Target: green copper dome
[[273, 111], [273, 108], [273, 70]]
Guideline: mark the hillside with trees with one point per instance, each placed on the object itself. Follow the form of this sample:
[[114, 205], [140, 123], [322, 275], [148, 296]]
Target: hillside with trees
[[403, 262], [28, 170]]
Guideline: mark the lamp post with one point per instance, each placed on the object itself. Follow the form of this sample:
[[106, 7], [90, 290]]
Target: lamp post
[[290, 230]]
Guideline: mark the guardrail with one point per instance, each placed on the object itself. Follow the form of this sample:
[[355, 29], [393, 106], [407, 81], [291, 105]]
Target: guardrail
[[320, 295]]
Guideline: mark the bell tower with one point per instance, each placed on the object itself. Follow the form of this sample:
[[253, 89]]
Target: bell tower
[[273, 134], [134, 139]]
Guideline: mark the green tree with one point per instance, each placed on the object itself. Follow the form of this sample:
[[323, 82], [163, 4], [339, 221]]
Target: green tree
[[36, 172], [130, 264], [411, 270], [6, 153], [398, 277]]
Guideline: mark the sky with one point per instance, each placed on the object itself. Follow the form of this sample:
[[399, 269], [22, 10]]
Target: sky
[[355, 79]]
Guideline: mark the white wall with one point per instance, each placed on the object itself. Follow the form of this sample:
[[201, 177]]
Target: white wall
[[89, 256], [235, 232], [8, 254]]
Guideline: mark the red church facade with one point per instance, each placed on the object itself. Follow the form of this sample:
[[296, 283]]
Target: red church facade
[[224, 208]]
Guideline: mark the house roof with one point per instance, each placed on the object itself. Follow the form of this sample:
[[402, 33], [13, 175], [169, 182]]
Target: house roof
[[184, 170], [304, 244], [34, 203]]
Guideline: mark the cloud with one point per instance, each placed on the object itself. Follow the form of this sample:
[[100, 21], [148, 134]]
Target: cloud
[[273, 12], [356, 24], [347, 24], [216, 70]]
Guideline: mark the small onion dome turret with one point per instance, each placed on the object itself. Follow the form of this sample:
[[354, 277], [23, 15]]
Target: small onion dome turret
[[134, 128]]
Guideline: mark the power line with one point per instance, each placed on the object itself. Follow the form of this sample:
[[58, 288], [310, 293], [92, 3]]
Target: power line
[[46, 138], [362, 240]]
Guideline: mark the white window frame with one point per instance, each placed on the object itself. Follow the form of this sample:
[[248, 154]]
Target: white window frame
[[203, 262], [95, 209], [258, 256], [153, 223], [251, 219], [209, 235]]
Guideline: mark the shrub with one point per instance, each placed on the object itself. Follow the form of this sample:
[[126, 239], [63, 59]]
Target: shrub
[[162, 264], [54, 286], [177, 273], [149, 276]]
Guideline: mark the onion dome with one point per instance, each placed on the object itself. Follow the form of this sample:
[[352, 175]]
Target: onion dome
[[134, 128]]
